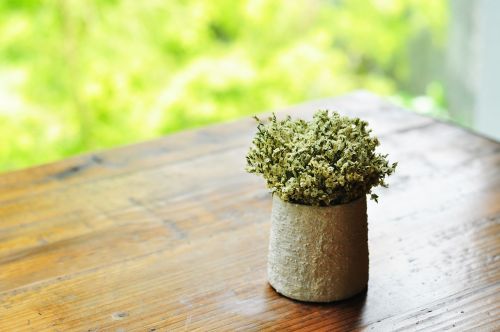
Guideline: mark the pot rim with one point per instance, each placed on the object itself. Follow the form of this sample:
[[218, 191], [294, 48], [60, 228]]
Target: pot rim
[[357, 200]]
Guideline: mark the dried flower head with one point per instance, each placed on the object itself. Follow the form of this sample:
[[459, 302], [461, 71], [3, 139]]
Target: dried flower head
[[329, 160]]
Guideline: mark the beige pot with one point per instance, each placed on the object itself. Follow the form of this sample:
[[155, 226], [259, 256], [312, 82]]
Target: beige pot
[[318, 254]]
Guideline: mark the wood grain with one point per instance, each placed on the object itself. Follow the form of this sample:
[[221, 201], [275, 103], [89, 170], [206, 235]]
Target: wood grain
[[172, 235]]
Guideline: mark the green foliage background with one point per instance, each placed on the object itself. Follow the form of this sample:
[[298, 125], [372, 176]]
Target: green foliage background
[[83, 75]]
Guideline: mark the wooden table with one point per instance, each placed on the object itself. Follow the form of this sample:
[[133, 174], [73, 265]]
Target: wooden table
[[172, 235]]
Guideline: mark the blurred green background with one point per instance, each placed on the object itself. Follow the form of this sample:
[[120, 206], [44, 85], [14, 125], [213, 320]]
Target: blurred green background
[[82, 75]]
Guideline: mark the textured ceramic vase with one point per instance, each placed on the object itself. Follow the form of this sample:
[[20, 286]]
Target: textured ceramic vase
[[318, 254]]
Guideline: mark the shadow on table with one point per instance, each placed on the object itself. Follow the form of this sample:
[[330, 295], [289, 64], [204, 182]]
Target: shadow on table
[[345, 315]]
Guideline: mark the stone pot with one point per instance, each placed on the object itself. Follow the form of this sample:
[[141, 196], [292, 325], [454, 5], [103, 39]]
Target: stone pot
[[318, 254]]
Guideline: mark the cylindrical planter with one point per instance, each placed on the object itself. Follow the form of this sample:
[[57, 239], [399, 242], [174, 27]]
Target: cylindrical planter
[[318, 254]]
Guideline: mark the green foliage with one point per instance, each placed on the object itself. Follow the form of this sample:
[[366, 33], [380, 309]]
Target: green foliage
[[329, 160], [83, 75]]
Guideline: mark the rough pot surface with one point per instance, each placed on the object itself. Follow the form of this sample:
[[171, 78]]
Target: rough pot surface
[[318, 254]]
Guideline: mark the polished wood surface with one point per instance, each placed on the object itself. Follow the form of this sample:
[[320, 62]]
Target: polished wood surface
[[172, 235]]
